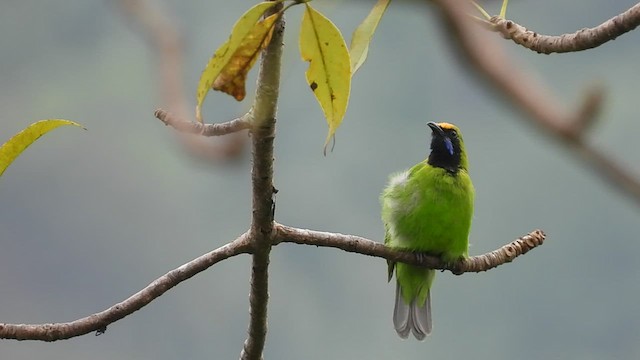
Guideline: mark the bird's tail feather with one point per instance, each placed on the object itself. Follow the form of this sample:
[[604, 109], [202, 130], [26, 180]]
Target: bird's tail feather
[[412, 317], [401, 314]]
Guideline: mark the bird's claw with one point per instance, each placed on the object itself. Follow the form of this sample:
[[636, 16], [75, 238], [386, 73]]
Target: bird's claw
[[455, 266]]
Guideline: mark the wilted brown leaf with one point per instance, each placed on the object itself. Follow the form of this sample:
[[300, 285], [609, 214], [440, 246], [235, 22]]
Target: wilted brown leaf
[[220, 59], [233, 76]]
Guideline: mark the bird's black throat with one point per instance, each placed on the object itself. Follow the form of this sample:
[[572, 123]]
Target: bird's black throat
[[442, 157]]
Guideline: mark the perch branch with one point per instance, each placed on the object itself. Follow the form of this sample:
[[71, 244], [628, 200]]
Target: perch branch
[[98, 322], [489, 60], [360, 245], [582, 39], [263, 134], [235, 125]]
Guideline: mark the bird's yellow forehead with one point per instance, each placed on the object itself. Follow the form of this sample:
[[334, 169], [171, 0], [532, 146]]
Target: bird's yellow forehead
[[447, 126]]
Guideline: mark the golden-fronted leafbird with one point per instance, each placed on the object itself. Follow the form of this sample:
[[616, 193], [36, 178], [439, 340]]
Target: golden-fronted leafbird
[[427, 209]]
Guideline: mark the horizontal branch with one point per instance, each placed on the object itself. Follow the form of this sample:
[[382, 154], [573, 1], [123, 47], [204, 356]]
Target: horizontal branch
[[582, 39], [543, 109], [491, 61], [360, 245], [98, 322], [193, 127]]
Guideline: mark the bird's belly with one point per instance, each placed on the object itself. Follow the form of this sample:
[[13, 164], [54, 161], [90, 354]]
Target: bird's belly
[[439, 224]]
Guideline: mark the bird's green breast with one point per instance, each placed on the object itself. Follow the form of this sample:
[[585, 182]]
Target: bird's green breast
[[429, 209]]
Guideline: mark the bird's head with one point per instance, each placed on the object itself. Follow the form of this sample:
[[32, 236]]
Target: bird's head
[[447, 147]]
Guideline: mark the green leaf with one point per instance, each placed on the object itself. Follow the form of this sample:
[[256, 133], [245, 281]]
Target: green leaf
[[364, 32], [482, 11], [329, 72], [10, 150], [503, 9], [242, 28]]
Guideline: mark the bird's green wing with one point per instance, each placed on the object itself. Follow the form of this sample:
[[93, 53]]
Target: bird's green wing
[[416, 168], [390, 264]]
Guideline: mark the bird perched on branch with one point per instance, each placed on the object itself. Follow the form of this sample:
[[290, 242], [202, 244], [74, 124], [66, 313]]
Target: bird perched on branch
[[427, 209]]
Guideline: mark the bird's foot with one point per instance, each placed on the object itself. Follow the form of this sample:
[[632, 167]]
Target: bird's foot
[[454, 265]]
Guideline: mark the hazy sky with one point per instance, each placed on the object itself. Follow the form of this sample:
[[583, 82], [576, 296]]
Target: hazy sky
[[90, 217]]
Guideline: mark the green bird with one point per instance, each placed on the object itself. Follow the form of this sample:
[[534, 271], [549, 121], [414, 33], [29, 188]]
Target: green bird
[[428, 209]]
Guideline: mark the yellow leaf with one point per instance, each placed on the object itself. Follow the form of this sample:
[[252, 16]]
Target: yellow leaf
[[233, 76], [329, 72], [362, 36], [10, 150], [221, 57]]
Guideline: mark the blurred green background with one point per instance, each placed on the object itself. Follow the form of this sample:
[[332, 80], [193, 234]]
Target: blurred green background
[[89, 218]]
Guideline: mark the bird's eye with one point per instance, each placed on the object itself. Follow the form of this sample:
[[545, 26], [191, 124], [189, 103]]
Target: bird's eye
[[454, 134]]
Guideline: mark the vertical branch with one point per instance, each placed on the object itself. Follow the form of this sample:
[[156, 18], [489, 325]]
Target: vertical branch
[[262, 225]]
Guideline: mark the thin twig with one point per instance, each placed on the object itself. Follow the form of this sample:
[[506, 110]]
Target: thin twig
[[262, 135], [582, 39], [98, 322], [193, 127], [360, 245]]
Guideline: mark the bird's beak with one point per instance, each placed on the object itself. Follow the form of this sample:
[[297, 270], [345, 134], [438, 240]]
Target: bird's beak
[[436, 129], [439, 133]]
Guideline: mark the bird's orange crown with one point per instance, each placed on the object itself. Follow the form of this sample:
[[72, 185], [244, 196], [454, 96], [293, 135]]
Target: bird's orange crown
[[447, 126]]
